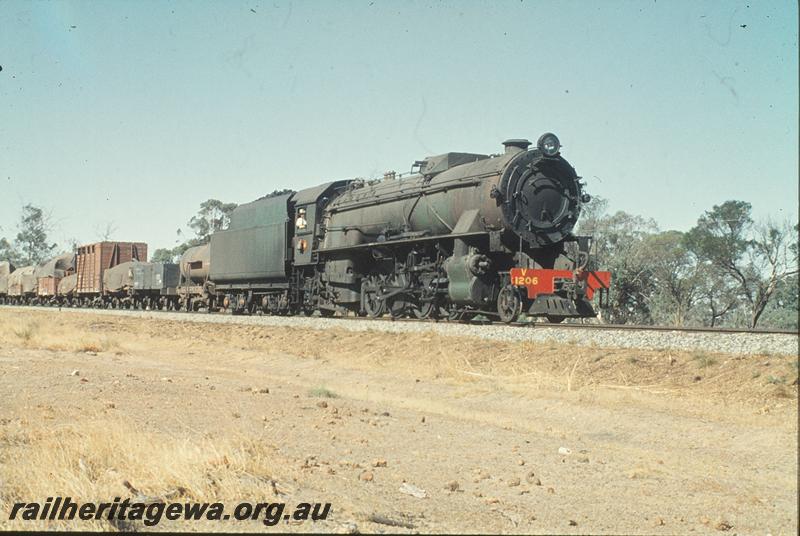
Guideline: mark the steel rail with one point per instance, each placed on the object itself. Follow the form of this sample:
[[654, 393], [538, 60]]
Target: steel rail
[[521, 325], [620, 327]]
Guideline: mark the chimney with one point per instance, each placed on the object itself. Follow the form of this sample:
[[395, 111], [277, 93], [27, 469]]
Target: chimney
[[516, 145]]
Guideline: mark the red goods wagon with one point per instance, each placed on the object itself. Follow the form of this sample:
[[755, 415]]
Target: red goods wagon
[[50, 272], [48, 286], [93, 259]]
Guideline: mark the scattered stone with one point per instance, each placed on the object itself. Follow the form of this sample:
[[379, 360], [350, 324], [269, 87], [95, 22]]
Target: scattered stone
[[310, 462], [260, 391], [165, 379], [385, 414], [583, 459], [84, 380], [383, 520], [366, 476], [484, 475], [550, 490], [411, 489], [660, 522], [530, 478], [491, 500], [573, 523], [564, 451], [451, 486], [75, 373], [236, 415], [422, 420], [521, 462], [514, 482], [723, 525], [322, 404], [111, 405], [379, 463]]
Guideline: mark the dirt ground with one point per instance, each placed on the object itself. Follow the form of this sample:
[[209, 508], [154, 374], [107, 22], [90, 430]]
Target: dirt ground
[[657, 442]]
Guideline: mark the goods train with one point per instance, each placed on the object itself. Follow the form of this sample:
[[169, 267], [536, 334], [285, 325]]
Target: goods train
[[460, 235]]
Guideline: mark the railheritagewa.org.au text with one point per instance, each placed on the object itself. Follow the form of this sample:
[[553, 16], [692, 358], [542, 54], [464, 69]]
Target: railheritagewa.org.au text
[[65, 509]]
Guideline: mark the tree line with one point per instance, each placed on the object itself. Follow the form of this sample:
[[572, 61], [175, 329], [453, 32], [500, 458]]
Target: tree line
[[727, 270]]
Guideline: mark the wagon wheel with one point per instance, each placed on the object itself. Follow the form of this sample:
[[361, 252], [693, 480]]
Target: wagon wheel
[[509, 304], [373, 304], [326, 313]]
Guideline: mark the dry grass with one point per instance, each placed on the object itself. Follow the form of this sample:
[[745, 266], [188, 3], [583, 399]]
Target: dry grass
[[91, 460], [520, 367], [322, 392], [55, 336]]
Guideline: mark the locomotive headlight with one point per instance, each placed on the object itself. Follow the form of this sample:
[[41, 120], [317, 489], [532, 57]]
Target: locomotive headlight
[[549, 145]]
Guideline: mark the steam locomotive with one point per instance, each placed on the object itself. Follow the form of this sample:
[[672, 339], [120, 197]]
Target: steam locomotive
[[460, 235]]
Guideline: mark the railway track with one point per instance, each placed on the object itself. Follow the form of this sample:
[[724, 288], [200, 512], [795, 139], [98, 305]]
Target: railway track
[[660, 338], [587, 326], [636, 327], [520, 325]]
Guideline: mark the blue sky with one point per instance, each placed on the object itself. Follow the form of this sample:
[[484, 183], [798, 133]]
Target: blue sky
[[135, 112]]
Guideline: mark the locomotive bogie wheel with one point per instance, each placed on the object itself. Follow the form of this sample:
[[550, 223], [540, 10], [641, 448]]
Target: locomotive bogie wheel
[[555, 319], [509, 304]]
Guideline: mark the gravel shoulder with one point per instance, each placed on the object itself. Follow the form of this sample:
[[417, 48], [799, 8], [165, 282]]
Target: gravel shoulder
[[350, 417], [722, 343]]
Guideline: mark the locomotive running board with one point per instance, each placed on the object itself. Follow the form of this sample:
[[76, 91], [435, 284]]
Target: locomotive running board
[[392, 242]]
